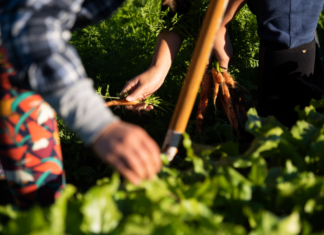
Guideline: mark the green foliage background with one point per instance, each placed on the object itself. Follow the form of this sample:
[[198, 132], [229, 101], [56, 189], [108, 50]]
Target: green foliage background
[[268, 182]]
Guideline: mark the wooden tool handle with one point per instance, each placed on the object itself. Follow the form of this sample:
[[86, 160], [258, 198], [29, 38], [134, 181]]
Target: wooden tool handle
[[195, 73]]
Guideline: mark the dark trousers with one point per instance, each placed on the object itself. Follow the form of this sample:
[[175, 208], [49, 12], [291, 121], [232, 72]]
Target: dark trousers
[[281, 80]]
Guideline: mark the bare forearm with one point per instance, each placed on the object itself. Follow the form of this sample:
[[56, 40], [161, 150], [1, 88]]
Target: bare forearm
[[223, 49], [145, 84], [166, 50], [232, 8]]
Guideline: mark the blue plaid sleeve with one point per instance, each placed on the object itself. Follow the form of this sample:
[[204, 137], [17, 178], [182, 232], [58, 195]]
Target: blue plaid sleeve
[[36, 35], [100, 9]]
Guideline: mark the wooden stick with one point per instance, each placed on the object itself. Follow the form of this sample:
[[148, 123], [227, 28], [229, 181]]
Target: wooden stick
[[121, 102], [196, 70]]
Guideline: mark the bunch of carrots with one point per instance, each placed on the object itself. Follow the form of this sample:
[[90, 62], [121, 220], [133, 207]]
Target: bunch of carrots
[[230, 95]]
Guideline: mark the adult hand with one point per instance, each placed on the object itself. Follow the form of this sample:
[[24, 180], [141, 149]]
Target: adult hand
[[144, 85], [130, 150]]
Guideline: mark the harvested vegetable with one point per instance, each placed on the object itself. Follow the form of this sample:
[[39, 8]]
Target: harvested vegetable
[[151, 100], [206, 85], [218, 79], [228, 108], [231, 97], [229, 80], [121, 102]]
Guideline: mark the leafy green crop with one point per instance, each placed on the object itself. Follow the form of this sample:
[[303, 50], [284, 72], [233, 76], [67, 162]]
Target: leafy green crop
[[275, 187]]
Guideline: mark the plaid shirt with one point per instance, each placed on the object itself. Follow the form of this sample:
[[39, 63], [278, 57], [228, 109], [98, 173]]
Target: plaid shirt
[[36, 33]]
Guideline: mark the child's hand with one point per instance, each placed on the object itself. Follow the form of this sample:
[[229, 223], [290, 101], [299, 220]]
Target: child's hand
[[144, 85]]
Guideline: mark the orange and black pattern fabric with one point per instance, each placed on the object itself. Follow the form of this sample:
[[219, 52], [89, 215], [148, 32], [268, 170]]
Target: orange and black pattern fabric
[[30, 151]]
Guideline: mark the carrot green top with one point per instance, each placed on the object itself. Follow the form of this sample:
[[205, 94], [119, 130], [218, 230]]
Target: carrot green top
[[183, 16]]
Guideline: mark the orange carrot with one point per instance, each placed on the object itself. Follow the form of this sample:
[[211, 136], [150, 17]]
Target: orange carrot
[[121, 102], [229, 79], [229, 107], [237, 94], [217, 80], [206, 85], [226, 94], [223, 102], [230, 114], [220, 80]]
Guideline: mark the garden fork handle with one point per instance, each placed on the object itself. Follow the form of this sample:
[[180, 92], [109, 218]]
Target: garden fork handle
[[195, 73]]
